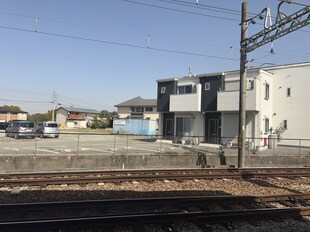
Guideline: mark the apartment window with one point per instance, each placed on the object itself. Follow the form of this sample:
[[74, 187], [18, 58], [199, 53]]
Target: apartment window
[[163, 90], [137, 109], [185, 89], [285, 124], [267, 91], [288, 92], [148, 109], [266, 125], [251, 84], [207, 86]]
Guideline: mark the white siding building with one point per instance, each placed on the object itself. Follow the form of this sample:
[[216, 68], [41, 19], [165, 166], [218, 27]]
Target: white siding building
[[277, 102]]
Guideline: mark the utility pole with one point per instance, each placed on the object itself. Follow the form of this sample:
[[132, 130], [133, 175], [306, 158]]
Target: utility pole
[[242, 95], [284, 24], [55, 103]]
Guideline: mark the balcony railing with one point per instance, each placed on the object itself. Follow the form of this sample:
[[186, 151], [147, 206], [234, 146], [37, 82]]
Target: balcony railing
[[229, 100], [185, 102]]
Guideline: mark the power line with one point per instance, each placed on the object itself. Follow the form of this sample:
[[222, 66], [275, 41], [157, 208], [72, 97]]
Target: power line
[[118, 43], [111, 29], [25, 101], [203, 7], [182, 11], [292, 2], [126, 45], [189, 12], [73, 104]]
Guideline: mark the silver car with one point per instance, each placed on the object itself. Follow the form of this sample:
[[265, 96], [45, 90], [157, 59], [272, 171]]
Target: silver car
[[19, 129], [47, 129]]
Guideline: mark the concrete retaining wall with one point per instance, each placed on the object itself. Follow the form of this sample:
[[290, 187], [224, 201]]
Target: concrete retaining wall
[[38, 163]]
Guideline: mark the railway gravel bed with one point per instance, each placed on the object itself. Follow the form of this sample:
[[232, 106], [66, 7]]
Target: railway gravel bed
[[253, 186], [196, 187]]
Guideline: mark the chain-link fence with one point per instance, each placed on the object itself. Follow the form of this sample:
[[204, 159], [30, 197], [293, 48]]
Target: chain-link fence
[[113, 144]]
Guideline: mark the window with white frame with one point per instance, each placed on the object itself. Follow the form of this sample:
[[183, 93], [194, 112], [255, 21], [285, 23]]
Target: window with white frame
[[163, 90], [207, 86]]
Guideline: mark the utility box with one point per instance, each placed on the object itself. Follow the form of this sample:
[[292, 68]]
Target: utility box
[[272, 141]]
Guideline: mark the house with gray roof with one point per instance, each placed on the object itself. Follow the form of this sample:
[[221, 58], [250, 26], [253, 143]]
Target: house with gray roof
[[138, 107], [73, 117]]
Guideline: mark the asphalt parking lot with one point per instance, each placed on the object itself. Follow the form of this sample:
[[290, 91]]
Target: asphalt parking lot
[[74, 143]]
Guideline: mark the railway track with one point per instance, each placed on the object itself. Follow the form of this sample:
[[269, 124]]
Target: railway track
[[55, 178], [103, 215]]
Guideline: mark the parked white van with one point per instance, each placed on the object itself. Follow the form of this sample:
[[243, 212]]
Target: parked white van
[[47, 129]]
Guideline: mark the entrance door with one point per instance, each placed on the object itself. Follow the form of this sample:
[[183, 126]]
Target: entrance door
[[212, 128], [213, 131], [169, 129]]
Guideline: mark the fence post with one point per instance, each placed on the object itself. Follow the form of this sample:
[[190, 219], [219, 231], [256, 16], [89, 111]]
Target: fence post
[[114, 144], [127, 145], [161, 144], [78, 144], [35, 145]]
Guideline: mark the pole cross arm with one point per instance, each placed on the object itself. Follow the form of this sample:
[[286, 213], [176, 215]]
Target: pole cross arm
[[283, 27]]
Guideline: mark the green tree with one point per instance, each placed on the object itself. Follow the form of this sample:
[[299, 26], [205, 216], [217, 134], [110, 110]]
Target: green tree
[[105, 114], [40, 117], [12, 107], [95, 124]]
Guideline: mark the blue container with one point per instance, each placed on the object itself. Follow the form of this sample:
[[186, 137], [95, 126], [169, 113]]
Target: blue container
[[135, 126]]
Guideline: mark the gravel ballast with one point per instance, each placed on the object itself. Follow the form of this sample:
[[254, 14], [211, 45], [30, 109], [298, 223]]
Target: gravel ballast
[[211, 187]]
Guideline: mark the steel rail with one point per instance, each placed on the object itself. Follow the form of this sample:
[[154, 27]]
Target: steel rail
[[79, 178], [148, 171], [205, 217], [156, 200], [101, 208]]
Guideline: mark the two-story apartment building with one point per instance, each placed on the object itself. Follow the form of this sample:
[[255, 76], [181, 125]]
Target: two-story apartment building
[[8, 114], [206, 105], [139, 108], [72, 117]]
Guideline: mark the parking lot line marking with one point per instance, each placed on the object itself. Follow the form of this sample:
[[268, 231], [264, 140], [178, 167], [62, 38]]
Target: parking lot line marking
[[55, 152], [143, 149], [94, 149]]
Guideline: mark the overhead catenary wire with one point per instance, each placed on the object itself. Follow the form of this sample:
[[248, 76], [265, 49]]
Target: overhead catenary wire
[[118, 43], [203, 7], [293, 2], [154, 35], [126, 44], [182, 11]]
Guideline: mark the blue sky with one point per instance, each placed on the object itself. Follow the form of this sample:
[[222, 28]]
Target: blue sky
[[93, 53]]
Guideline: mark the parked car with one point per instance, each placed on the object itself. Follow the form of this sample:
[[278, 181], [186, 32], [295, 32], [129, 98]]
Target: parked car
[[18, 129], [4, 125], [47, 129]]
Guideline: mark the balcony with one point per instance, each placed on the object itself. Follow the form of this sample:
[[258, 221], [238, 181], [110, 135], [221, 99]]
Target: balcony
[[229, 100], [185, 102]]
